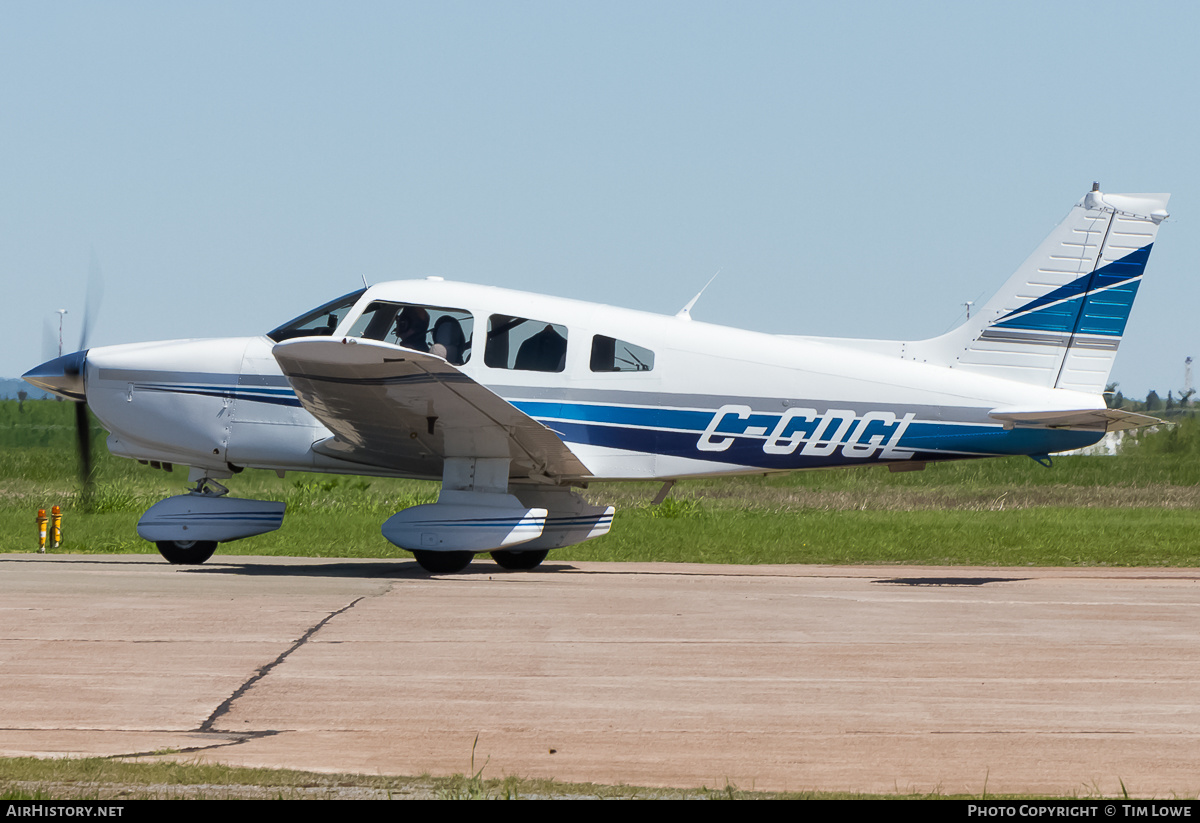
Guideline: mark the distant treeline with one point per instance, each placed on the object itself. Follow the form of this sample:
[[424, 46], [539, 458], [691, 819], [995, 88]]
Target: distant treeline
[[12, 388], [1170, 407]]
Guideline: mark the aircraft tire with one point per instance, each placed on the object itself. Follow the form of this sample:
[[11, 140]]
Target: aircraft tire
[[518, 560], [443, 562], [186, 552]]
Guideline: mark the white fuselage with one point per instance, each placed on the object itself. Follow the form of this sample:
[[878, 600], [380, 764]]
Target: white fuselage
[[713, 401]]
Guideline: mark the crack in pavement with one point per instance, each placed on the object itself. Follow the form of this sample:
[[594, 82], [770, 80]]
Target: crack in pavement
[[263, 671], [226, 738], [231, 739]]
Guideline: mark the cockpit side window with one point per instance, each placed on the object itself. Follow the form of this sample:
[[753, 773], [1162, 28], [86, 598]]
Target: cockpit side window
[[610, 354], [521, 344], [437, 330], [319, 322]]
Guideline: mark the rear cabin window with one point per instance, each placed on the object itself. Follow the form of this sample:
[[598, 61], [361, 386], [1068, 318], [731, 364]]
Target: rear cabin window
[[521, 344], [437, 330], [610, 354]]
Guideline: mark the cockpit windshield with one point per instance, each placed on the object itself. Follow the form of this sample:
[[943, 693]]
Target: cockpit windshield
[[319, 322]]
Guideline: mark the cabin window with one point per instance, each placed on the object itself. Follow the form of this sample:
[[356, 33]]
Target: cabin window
[[610, 354], [319, 322], [522, 344], [434, 329]]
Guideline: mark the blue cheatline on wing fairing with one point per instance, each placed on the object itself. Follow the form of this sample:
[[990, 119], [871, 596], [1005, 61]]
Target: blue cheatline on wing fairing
[[515, 400]]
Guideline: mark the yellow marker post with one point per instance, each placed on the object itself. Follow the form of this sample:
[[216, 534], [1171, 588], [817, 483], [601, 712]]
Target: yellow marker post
[[55, 527], [41, 521]]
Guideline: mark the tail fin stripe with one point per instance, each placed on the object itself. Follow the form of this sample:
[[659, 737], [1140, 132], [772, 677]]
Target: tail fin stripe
[[1059, 310], [1107, 311]]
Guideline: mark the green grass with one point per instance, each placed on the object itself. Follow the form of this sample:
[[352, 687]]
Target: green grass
[[1042, 537], [1141, 508], [93, 778]]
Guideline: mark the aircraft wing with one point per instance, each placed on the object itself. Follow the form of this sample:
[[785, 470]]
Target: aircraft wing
[[1109, 420], [396, 408]]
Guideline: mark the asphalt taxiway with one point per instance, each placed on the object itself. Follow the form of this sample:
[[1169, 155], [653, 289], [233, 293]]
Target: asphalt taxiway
[[1076, 681]]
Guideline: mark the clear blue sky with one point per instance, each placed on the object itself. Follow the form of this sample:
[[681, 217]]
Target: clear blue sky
[[852, 169]]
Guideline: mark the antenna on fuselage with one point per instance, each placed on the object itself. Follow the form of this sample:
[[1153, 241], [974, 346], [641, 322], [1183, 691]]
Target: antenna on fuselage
[[686, 312]]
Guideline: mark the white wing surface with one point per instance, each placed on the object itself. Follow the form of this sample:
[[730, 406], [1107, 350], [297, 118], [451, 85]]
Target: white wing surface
[[401, 409]]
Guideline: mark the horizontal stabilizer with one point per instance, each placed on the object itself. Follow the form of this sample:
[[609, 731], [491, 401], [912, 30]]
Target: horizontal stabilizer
[[1107, 420]]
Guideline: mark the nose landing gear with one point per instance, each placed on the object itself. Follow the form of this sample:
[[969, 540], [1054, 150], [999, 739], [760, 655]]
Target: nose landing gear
[[186, 552]]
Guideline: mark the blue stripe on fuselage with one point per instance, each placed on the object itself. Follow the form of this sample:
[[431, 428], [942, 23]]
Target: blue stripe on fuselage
[[743, 440], [275, 397], [743, 437]]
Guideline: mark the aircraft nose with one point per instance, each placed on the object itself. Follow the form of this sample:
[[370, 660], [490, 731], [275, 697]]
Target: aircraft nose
[[62, 375]]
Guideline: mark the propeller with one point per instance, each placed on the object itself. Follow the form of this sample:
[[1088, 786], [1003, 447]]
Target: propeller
[[83, 443], [83, 429], [91, 303], [65, 375], [49, 341]]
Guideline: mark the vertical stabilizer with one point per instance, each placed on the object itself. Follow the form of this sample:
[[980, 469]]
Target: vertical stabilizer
[[1058, 320]]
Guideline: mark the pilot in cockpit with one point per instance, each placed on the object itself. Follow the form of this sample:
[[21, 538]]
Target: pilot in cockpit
[[412, 326]]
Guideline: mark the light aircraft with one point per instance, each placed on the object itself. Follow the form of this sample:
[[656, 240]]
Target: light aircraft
[[514, 400]]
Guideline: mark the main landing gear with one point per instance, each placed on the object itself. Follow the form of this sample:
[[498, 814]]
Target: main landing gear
[[442, 562], [478, 512], [519, 561]]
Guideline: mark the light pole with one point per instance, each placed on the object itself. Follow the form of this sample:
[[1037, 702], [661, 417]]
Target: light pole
[[61, 312]]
